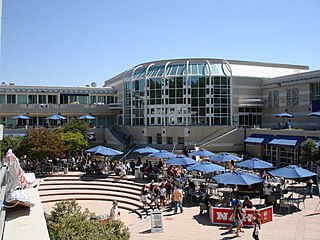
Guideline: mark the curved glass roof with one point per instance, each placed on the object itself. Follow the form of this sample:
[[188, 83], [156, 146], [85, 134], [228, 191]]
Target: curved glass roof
[[180, 70]]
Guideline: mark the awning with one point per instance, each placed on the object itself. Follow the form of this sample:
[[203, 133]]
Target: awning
[[284, 140], [258, 138]]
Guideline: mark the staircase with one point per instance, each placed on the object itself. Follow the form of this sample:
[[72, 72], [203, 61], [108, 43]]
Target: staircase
[[84, 187]]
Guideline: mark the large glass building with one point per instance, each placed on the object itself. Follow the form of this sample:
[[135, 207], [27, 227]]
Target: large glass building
[[195, 92]]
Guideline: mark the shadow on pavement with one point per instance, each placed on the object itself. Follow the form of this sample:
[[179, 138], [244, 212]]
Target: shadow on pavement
[[202, 219], [145, 232]]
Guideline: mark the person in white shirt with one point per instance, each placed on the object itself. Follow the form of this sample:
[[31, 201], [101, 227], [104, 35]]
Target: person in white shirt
[[267, 193], [114, 212]]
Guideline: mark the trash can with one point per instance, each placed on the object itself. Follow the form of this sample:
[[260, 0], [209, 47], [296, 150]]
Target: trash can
[[141, 175], [137, 172]]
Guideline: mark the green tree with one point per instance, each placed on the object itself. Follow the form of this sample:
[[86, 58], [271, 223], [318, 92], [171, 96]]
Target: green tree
[[10, 142], [309, 152], [74, 142], [67, 221], [76, 125], [40, 143]]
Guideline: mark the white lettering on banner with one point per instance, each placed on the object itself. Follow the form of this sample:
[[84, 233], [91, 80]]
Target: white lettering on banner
[[247, 217], [222, 215]]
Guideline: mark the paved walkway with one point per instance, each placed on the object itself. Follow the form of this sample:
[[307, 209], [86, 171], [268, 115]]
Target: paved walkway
[[301, 225]]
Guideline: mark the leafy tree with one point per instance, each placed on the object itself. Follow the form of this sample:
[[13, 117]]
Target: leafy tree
[[309, 152], [40, 143], [67, 221], [10, 142], [76, 125], [74, 142]]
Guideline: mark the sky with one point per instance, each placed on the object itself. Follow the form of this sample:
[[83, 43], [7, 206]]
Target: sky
[[76, 42]]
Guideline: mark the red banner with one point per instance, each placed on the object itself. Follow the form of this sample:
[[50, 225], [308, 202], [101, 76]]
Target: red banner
[[224, 216]]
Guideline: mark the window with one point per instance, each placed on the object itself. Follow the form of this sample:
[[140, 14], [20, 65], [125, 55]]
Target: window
[[32, 99], [22, 99], [273, 99], [2, 98], [315, 89], [169, 140], [52, 99], [292, 96], [42, 99], [11, 98], [180, 140], [149, 140]]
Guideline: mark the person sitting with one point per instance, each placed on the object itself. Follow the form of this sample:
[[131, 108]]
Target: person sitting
[[278, 192], [204, 205], [247, 202]]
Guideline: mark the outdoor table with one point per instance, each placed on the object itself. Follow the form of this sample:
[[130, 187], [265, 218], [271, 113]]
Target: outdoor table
[[294, 201]]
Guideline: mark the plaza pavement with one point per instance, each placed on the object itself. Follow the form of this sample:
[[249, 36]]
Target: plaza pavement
[[301, 225]]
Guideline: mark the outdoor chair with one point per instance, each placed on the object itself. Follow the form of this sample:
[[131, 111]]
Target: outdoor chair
[[301, 199], [203, 207], [285, 204]]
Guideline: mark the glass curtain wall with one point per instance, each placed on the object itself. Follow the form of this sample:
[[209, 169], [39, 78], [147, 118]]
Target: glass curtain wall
[[177, 94]]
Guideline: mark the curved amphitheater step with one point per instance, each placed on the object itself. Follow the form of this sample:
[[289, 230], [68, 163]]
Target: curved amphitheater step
[[91, 189]]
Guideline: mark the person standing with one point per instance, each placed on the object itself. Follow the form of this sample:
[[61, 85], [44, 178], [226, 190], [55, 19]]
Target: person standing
[[163, 195], [234, 203], [177, 199], [256, 221], [156, 195], [267, 193], [114, 212], [238, 219], [144, 195], [309, 187]]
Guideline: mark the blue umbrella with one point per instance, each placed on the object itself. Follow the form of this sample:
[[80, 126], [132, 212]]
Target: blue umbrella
[[146, 150], [55, 117], [104, 151], [162, 154], [202, 153], [255, 163], [284, 115], [292, 172], [20, 117], [206, 167], [181, 160], [224, 157], [238, 178], [316, 114], [88, 116]]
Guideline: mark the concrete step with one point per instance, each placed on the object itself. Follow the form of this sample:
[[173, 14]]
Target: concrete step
[[92, 192], [106, 181], [101, 206], [68, 184], [80, 187]]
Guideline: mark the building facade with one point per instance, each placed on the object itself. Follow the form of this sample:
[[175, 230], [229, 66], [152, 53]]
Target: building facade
[[196, 92], [222, 105], [39, 102]]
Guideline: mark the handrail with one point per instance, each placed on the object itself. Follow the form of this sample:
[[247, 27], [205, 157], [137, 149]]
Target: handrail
[[3, 184], [127, 153], [221, 136], [213, 135]]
